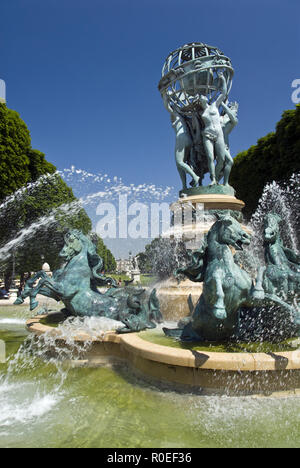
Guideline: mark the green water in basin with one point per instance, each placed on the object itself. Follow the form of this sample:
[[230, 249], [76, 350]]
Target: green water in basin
[[48, 405], [157, 336]]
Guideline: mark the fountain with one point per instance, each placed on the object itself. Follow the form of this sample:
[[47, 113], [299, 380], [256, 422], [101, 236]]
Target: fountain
[[224, 344], [196, 80]]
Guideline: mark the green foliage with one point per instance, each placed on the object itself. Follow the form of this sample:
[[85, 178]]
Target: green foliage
[[38, 218], [161, 257], [109, 261], [145, 280], [120, 276], [274, 157], [42, 209], [38, 165], [144, 262], [19, 163]]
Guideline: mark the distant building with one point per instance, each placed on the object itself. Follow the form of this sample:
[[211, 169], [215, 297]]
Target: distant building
[[2, 92], [124, 265]]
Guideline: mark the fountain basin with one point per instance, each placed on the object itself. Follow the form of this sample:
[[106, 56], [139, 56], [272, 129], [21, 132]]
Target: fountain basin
[[210, 372]]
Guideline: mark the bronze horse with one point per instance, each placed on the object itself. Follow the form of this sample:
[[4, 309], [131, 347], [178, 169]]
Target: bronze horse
[[76, 285]]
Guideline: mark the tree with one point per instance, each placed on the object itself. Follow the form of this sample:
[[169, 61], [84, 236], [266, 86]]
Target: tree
[[19, 163], [109, 260], [37, 208], [274, 157], [33, 224], [162, 256], [144, 263]]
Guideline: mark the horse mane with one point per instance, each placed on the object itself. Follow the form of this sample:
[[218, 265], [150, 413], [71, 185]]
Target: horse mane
[[198, 259], [273, 216], [95, 262], [196, 268]]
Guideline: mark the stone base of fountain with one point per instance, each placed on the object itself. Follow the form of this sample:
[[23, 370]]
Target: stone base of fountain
[[173, 298], [276, 373], [212, 201], [193, 231]]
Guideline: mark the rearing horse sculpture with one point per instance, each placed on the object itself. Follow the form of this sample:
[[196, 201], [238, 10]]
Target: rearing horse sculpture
[[282, 274], [226, 286], [76, 286]]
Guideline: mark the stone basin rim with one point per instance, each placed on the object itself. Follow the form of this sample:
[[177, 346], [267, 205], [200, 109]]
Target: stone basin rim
[[210, 360]]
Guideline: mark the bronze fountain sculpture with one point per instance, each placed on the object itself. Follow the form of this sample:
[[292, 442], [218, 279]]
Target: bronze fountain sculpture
[[76, 285], [195, 84]]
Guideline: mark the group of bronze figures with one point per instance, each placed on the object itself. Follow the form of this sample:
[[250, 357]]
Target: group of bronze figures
[[202, 137]]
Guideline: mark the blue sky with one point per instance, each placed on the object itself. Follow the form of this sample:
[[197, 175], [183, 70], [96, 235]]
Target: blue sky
[[83, 74]]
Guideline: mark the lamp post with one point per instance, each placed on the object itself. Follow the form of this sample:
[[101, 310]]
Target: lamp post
[[2, 92], [13, 279]]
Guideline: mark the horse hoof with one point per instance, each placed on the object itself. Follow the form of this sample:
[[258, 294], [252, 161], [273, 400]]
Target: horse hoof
[[19, 301], [33, 305], [219, 313]]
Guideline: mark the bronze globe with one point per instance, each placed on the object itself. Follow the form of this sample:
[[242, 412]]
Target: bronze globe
[[192, 71]]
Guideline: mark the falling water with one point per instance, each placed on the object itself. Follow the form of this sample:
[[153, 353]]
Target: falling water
[[88, 186], [46, 403], [90, 189], [26, 233], [283, 199], [25, 395]]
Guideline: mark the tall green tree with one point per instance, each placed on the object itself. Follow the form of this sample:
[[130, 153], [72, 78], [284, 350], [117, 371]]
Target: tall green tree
[[274, 157], [33, 224], [144, 262], [162, 256], [109, 260], [19, 163], [37, 207]]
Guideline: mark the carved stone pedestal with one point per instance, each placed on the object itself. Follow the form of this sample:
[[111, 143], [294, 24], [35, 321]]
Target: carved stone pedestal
[[193, 217], [173, 298], [135, 276]]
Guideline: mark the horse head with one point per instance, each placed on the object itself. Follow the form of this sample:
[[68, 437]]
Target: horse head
[[76, 242], [73, 245], [271, 228], [227, 230]]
